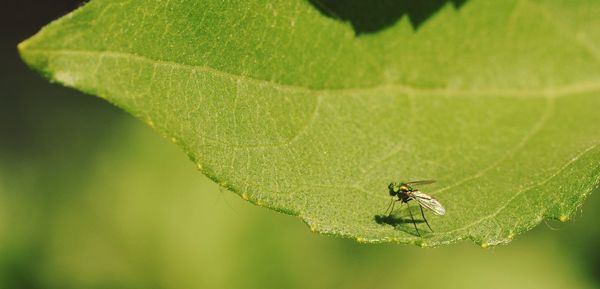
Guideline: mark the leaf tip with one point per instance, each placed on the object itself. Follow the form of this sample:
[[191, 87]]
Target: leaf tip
[[22, 46], [35, 61]]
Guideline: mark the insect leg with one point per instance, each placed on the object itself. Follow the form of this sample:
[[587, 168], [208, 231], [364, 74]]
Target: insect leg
[[393, 204], [388, 207], [413, 220], [423, 214]]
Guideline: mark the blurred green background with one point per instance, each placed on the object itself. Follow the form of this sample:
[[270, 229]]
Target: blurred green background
[[91, 198]]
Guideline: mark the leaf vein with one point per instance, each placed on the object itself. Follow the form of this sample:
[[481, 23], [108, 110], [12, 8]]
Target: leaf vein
[[517, 194]]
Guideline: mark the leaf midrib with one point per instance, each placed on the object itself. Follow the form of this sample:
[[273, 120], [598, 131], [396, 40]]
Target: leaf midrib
[[558, 91]]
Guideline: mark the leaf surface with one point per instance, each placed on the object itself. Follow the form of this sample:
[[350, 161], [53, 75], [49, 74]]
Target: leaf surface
[[290, 108]]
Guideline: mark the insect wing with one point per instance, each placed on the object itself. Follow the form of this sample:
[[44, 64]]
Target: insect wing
[[429, 202], [423, 182]]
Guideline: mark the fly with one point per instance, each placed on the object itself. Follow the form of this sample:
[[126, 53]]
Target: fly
[[406, 192]]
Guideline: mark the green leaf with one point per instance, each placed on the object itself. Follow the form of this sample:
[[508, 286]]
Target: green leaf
[[296, 111]]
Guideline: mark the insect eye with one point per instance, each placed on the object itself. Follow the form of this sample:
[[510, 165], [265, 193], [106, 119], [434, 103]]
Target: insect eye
[[393, 189]]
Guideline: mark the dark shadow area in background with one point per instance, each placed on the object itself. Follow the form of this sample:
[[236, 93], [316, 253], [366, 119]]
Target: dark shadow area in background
[[369, 16], [43, 127], [30, 107]]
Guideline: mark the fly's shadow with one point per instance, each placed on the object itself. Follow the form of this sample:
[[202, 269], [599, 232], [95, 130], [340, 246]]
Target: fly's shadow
[[370, 16], [404, 223]]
